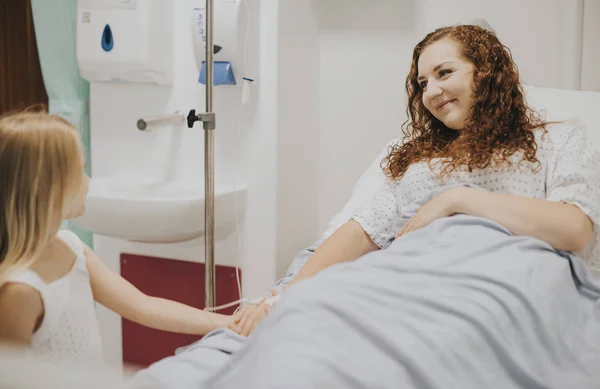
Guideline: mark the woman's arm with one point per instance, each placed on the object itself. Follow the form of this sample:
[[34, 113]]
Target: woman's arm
[[346, 244], [563, 226], [118, 295], [350, 241]]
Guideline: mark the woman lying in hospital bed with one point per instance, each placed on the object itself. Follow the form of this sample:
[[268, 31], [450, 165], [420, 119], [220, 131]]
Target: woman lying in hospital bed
[[489, 297], [469, 124]]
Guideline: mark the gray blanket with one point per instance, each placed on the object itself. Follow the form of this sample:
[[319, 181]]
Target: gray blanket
[[461, 303]]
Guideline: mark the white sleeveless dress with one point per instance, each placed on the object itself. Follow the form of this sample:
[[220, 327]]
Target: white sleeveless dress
[[69, 330]]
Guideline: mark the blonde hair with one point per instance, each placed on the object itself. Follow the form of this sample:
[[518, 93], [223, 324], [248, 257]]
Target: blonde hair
[[41, 166]]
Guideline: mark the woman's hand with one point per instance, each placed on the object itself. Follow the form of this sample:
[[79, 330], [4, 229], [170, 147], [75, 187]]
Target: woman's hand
[[247, 318], [440, 206]]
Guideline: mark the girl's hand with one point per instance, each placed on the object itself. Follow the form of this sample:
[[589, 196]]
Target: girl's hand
[[440, 206]]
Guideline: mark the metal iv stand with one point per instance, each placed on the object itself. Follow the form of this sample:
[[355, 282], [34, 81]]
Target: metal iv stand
[[208, 120]]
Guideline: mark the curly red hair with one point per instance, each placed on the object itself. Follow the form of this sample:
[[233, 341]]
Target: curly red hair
[[499, 124]]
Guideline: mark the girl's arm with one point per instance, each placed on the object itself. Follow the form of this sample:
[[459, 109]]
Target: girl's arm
[[118, 295], [21, 309], [346, 244], [563, 226]]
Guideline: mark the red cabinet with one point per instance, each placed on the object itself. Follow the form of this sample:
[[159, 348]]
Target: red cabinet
[[175, 280]]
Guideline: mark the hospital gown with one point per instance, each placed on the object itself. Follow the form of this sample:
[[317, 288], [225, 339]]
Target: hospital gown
[[568, 171]]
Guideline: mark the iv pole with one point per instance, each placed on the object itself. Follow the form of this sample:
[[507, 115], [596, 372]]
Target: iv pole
[[208, 120]]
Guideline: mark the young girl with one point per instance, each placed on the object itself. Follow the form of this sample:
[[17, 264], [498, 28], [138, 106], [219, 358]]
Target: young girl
[[49, 279]]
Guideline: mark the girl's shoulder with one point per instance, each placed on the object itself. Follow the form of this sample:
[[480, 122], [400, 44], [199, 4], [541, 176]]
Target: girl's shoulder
[[73, 241]]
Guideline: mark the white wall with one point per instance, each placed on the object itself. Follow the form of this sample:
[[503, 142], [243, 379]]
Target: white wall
[[364, 54], [590, 76], [543, 35], [260, 225], [298, 135]]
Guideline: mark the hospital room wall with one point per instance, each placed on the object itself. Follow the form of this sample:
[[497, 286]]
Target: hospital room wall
[[590, 76], [365, 48], [298, 132], [365, 51]]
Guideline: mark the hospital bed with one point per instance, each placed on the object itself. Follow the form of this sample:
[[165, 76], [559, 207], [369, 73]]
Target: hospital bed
[[196, 367], [214, 367]]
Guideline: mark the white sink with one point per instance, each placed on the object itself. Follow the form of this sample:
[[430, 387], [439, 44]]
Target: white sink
[[162, 212]]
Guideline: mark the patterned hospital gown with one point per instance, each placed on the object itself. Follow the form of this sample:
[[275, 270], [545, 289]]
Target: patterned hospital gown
[[569, 172]]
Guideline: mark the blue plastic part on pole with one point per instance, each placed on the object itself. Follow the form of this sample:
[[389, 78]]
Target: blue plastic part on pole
[[223, 73]]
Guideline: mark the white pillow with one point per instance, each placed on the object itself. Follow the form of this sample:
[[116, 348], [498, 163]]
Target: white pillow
[[367, 185], [581, 107], [559, 104]]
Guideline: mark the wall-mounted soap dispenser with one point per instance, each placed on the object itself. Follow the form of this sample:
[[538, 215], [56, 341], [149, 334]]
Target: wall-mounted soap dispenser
[[125, 40]]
